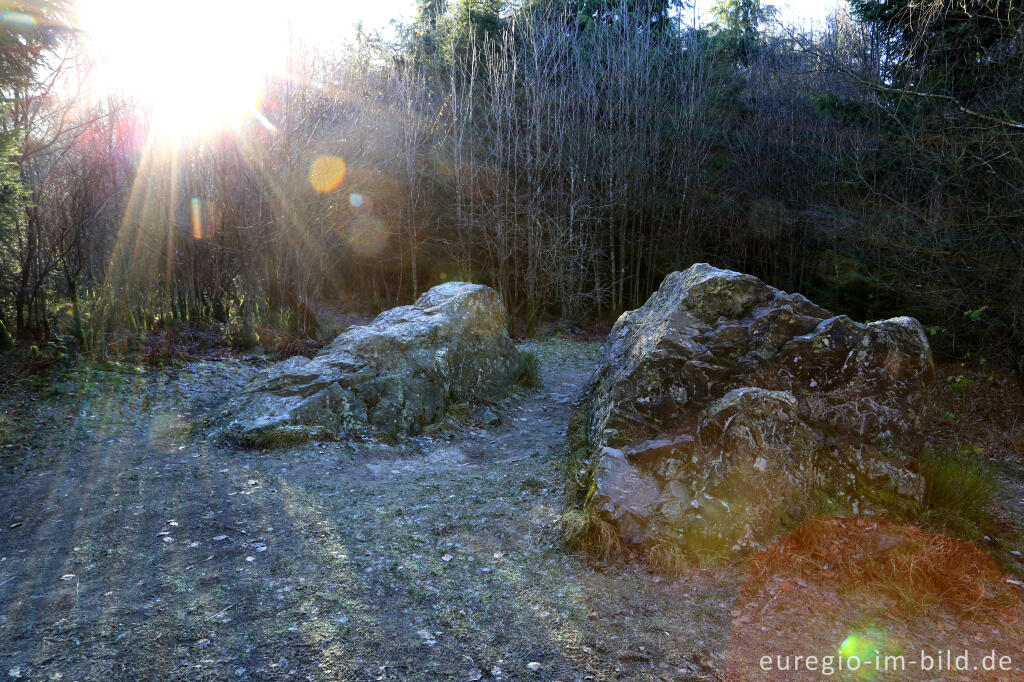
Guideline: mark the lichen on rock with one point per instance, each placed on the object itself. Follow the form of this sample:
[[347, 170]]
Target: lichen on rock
[[723, 407], [395, 375]]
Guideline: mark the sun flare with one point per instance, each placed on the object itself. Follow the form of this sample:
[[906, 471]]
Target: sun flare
[[196, 66]]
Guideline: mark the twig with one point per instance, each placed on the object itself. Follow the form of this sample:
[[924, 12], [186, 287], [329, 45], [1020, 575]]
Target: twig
[[222, 611]]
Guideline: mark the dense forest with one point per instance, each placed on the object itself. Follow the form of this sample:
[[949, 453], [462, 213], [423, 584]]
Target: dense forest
[[569, 153]]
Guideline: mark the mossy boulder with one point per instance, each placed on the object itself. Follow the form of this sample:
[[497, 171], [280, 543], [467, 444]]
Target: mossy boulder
[[393, 376], [724, 406]]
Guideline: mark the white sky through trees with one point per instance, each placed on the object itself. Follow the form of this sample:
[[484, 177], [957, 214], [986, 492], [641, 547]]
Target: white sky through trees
[[378, 14]]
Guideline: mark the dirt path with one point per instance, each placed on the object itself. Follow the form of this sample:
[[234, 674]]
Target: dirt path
[[131, 548]]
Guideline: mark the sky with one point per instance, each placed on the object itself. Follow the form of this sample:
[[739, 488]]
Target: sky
[[377, 13], [201, 63], [800, 12]]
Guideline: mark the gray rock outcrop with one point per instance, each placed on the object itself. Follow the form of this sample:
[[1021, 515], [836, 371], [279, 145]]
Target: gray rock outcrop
[[395, 375], [724, 409]]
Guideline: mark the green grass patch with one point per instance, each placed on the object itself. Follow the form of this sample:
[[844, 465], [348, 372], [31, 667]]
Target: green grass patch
[[960, 489], [531, 371]]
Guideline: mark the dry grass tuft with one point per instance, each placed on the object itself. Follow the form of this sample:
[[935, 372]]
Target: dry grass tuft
[[296, 344], [668, 558], [589, 532], [888, 561]]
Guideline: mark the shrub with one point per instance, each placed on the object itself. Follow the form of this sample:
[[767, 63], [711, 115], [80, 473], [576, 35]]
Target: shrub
[[243, 337]]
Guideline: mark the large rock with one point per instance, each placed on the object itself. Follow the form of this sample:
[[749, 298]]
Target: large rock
[[395, 375], [724, 409]]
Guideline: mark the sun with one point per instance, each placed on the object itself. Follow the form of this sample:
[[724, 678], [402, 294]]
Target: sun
[[197, 66]]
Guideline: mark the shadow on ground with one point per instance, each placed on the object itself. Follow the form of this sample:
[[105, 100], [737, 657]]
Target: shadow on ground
[[132, 548]]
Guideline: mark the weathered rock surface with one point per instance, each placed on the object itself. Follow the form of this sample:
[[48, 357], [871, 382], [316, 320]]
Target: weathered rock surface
[[395, 375], [724, 408]]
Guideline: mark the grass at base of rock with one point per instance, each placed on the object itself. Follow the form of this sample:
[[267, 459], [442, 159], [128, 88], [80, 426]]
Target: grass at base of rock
[[668, 558], [589, 532], [959, 491]]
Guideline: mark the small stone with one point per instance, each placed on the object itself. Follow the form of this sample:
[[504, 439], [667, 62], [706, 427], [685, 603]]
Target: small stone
[[486, 416], [533, 665]]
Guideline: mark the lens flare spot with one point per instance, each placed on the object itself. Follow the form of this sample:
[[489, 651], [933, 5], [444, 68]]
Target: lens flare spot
[[166, 430], [355, 200], [203, 218], [368, 236], [864, 649], [327, 173], [263, 120], [19, 19], [854, 646]]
